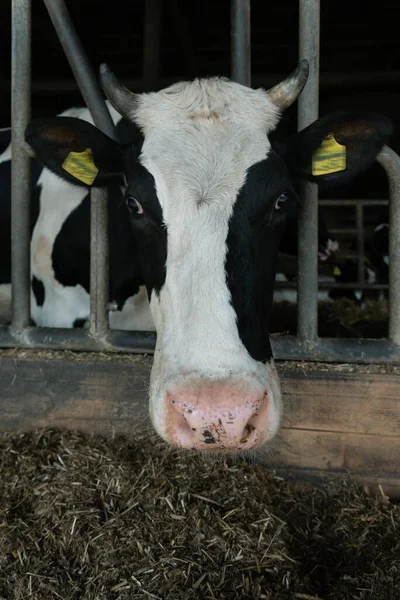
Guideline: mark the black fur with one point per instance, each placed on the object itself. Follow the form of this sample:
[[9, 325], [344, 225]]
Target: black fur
[[38, 290], [253, 238]]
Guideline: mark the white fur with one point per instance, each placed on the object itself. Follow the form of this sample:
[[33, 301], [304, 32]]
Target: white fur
[[200, 140]]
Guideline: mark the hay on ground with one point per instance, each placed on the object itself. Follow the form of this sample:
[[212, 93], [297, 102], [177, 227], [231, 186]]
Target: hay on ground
[[84, 518]]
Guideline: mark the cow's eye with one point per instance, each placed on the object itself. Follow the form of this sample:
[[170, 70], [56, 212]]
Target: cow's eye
[[280, 200], [134, 205]]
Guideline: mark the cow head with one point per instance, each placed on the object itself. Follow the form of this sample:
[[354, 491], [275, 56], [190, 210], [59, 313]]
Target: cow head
[[207, 195]]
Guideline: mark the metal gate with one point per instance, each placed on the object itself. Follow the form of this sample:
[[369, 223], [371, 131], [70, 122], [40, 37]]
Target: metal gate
[[306, 345]]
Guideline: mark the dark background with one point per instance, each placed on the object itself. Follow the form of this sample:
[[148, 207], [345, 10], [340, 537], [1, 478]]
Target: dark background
[[360, 55]]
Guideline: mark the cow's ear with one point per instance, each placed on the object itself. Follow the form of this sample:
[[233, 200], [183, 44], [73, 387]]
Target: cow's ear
[[337, 148], [76, 151]]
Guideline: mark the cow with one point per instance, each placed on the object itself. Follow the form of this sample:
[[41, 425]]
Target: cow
[[60, 291], [60, 215], [205, 199]]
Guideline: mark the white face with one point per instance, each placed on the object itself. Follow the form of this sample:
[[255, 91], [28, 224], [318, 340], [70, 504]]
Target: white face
[[200, 139]]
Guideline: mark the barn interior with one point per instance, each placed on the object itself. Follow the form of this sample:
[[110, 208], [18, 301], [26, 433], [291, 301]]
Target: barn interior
[[150, 45], [117, 514]]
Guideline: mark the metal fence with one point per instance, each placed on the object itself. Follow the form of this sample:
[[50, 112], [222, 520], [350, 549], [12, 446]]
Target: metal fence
[[307, 345], [358, 232]]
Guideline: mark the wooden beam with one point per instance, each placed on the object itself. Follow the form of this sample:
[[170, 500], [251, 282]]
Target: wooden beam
[[338, 420]]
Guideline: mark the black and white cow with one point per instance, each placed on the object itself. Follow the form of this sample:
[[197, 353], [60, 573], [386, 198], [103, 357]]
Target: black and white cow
[[60, 214], [206, 196], [60, 222]]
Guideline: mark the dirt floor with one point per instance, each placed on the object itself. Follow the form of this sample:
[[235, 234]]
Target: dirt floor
[[86, 518]]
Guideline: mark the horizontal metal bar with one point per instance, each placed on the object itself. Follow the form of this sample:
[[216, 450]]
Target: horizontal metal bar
[[78, 339], [343, 231], [284, 347], [265, 80], [325, 285], [341, 350], [355, 202]]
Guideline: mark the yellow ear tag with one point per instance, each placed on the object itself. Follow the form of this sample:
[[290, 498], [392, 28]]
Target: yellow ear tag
[[81, 166], [329, 158], [337, 271]]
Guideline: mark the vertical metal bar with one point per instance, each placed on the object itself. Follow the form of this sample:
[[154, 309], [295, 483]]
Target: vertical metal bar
[[99, 281], [151, 43], [307, 312], [241, 42], [390, 161], [20, 165], [360, 240], [91, 92]]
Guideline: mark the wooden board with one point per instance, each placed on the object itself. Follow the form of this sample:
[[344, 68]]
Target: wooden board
[[339, 420]]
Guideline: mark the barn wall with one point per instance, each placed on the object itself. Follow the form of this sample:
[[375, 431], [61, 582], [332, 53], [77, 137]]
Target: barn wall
[[338, 420]]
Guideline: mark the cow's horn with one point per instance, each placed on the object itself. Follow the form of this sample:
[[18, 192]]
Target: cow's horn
[[121, 98], [287, 91]]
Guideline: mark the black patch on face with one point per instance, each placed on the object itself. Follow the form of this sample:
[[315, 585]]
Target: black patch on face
[[136, 257], [38, 290], [253, 238], [148, 228], [71, 251]]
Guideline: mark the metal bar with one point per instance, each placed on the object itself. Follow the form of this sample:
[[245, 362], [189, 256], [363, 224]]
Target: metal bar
[[91, 92], [151, 43], [241, 42], [135, 342], [99, 254], [326, 285], [360, 241], [79, 63], [284, 347], [309, 28], [360, 351], [353, 202], [390, 161], [20, 164], [265, 80], [343, 231]]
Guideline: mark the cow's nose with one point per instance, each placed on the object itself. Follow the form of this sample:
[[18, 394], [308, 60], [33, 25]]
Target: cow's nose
[[217, 417]]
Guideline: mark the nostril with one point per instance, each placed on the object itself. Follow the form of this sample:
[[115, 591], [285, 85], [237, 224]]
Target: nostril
[[183, 430], [248, 430]]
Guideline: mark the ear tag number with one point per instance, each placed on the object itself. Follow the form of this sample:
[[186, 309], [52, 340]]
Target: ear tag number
[[81, 166], [329, 158]]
